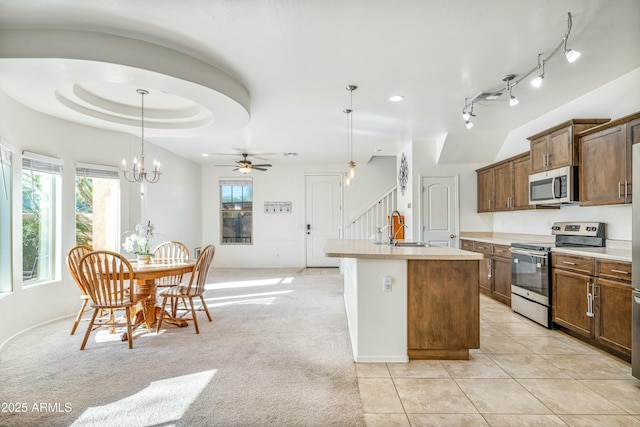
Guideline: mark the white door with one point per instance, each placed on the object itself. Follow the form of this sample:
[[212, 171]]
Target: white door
[[440, 210], [324, 217]]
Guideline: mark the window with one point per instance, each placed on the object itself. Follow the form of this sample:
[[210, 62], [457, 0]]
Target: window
[[236, 210], [6, 282], [41, 176], [97, 206]]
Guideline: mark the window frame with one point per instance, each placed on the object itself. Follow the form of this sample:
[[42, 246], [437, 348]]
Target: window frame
[[51, 168], [6, 219], [96, 171], [245, 207]]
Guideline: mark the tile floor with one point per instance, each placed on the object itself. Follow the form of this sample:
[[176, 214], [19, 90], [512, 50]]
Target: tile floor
[[522, 375]]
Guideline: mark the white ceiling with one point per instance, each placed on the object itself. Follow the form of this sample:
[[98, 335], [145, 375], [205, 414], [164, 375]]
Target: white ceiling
[[269, 76]]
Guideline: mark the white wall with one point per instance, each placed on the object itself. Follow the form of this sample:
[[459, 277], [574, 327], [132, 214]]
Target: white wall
[[173, 203], [615, 99], [280, 239]]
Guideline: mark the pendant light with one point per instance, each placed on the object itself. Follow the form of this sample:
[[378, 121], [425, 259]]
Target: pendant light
[[351, 172], [138, 172]]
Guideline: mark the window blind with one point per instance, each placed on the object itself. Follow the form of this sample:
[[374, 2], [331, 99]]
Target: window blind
[[236, 181], [90, 170], [41, 163]]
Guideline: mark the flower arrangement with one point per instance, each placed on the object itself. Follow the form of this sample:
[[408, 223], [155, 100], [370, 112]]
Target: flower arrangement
[[140, 241]]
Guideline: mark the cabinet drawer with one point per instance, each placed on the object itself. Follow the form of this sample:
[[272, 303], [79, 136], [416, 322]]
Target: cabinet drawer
[[467, 245], [613, 269], [484, 248], [573, 263], [501, 251]]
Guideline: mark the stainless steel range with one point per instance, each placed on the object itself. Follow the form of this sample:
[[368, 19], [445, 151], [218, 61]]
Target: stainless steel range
[[531, 267]]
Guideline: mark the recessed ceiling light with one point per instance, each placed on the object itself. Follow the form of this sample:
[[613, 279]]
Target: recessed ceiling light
[[290, 154], [396, 98], [204, 155], [377, 150]]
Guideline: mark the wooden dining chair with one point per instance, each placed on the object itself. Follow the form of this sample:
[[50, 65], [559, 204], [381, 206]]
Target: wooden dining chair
[[171, 250], [73, 263], [108, 279], [186, 292]]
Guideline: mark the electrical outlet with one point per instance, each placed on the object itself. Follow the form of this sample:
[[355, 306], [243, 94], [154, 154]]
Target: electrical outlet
[[386, 284]]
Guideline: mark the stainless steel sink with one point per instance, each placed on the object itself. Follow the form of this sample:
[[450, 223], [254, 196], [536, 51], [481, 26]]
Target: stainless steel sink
[[411, 244]]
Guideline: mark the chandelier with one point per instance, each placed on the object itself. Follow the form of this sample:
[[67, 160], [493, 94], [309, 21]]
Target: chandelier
[[351, 172], [137, 173]]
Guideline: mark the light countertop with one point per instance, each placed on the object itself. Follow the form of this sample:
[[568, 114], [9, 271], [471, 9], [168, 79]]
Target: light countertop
[[604, 253], [616, 250], [348, 248]]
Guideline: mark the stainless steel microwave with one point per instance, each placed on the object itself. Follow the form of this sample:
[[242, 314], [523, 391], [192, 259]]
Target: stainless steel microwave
[[553, 187]]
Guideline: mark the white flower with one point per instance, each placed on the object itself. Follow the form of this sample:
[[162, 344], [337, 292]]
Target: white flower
[[140, 241]]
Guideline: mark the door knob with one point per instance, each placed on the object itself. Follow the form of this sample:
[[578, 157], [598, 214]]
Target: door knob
[[452, 236]]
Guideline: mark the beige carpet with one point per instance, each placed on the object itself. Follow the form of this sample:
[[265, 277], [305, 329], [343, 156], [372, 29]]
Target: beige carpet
[[276, 354]]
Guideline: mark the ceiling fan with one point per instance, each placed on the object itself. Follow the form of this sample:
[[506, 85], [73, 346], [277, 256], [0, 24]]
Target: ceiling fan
[[245, 166]]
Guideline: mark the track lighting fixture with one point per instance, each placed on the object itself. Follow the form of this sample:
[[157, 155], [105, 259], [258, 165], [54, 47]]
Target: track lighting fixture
[[537, 82], [570, 54], [492, 95]]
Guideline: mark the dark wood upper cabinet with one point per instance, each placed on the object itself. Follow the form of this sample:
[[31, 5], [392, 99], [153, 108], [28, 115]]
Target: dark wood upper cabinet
[[605, 161], [558, 146]]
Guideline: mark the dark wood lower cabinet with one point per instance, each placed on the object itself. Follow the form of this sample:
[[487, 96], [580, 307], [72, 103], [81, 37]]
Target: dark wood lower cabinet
[[613, 316], [607, 323], [570, 302], [502, 280], [485, 275]]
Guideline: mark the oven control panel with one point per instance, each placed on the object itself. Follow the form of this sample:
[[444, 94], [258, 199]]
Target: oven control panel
[[590, 229]]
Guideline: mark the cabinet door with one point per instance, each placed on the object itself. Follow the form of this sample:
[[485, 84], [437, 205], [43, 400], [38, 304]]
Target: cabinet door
[[604, 168], [613, 315], [561, 148], [570, 302], [502, 280], [485, 275], [539, 154], [521, 171], [503, 187], [486, 191]]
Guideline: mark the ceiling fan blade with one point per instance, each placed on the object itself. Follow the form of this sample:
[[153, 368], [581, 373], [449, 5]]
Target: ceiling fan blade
[[259, 169], [266, 165]]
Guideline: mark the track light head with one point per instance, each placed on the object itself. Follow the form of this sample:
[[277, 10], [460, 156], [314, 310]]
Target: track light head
[[571, 55], [537, 82], [513, 101], [469, 124], [466, 116]]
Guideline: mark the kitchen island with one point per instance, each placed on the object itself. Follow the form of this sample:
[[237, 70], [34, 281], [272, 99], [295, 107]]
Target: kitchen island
[[409, 302]]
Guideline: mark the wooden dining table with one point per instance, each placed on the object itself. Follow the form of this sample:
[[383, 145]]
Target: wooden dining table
[[144, 291]]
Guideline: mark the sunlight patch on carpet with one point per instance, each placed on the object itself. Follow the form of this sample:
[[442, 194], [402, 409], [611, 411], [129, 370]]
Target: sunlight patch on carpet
[[163, 401], [248, 283]]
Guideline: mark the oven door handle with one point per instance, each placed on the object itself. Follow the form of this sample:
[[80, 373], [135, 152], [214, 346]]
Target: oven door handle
[[536, 254]]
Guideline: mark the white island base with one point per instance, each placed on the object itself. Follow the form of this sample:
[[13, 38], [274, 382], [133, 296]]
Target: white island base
[[431, 312]]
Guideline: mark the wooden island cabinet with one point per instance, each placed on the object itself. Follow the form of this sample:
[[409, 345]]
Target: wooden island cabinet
[[430, 310]]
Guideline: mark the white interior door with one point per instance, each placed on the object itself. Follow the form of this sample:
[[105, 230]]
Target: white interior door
[[440, 210], [324, 217]]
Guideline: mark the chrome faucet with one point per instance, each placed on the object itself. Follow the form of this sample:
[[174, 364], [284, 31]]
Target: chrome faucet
[[392, 235]]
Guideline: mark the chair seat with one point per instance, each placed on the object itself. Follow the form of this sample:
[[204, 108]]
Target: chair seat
[[179, 291]]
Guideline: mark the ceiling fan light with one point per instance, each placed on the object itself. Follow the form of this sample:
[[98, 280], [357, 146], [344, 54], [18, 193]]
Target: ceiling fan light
[[244, 169], [571, 55]]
